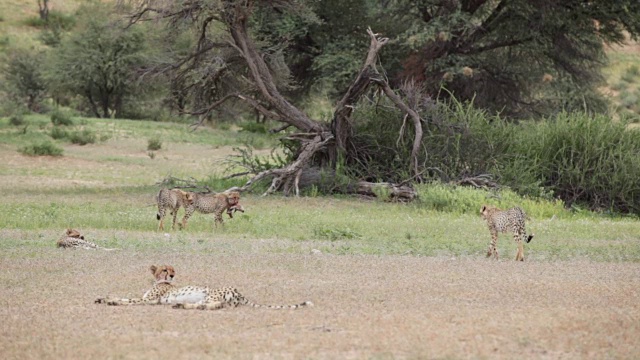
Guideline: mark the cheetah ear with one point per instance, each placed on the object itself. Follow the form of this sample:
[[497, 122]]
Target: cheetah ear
[[484, 207], [153, 269]]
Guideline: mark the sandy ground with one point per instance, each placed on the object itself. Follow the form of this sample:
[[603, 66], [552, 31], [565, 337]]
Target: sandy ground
[[365, 307]]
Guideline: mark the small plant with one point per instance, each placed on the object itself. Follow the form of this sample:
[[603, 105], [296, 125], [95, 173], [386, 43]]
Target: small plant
[[254, 127], [42, 149], [17, 119], [58, 133], [152, 155], [61, 118], [336, 234], [83, 137], [154, 144], [633, 70]]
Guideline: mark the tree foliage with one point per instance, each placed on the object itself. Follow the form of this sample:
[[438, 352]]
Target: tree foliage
[[518, 57], [23, 79], [97, 62]]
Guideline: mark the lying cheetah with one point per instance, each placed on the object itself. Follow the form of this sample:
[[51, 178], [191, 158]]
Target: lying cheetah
[[501, 221], [189, 297], [213, 203], [173, 200], [73, 239]]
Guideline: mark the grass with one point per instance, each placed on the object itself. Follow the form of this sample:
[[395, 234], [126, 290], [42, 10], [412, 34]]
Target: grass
[[108, 187]]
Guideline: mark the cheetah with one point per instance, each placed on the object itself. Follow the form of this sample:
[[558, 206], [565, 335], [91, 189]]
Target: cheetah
[[213, 203], [502, 221], [171, 199], [73, 239], [189, 297]]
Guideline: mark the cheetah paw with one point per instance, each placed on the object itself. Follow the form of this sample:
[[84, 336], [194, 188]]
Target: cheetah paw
[[178, 306]]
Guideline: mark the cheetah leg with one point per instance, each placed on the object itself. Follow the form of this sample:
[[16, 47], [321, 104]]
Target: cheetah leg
[[160, 217], [132, 301], [207, 306], [493, 250], [175, 216], [520, 253], [218, 220], [187, 215]]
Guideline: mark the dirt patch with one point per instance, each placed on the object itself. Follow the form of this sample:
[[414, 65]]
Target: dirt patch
[[365, 306]]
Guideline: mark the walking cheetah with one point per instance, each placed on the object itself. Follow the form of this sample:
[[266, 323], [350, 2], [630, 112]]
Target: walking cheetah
[[213, 203], [502, 221], [171, 199], [73, 239], [189, 297]]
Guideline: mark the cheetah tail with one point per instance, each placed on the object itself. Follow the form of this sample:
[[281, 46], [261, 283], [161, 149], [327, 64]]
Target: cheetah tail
[[280, 307], [529, 238]]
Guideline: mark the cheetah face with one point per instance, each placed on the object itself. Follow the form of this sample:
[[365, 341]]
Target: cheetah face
[[189, 197], [73, 233], [487, 210], [233, 198], [163, 272]]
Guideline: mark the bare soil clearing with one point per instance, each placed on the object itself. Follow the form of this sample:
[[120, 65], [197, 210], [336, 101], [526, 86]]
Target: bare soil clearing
[[365, 306]]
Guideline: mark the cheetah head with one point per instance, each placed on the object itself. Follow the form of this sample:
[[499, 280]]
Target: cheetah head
[[233, 198], [187, 197], [163, 273], [73, 233], [487, 210]]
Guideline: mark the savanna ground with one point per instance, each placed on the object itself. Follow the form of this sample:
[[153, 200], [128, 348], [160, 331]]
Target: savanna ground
[[388, 280]]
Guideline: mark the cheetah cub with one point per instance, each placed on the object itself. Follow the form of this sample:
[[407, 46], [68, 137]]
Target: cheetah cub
[[189, 297], [172, 199], [73, 239], [502, 221]]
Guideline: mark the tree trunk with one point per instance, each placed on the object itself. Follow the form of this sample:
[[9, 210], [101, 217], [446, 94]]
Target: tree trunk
[[43, 9]]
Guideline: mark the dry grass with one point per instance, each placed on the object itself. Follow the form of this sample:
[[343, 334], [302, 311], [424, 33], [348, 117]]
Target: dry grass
[[366, 307]]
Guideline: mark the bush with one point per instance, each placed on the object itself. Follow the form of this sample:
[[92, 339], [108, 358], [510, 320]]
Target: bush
[[58, 133], [17, 119], [254, 127], [82, 137], [154, 144], [579, 158], [42, 149], [56, 19], [582, 159], [59, 117]]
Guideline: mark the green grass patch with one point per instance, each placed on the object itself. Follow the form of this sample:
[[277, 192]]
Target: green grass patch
[[42, 149]]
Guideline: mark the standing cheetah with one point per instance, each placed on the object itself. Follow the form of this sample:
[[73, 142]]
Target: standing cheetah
[[189, 297], [171, 199], [213, 203], [501, 221]]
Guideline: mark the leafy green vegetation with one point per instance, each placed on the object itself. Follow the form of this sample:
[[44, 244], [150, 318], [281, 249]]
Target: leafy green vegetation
[[42, 149]]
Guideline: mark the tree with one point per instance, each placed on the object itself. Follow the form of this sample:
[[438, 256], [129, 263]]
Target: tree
[[518, 57], [97, 62], [23, 78], [43, 9], [320, 143]]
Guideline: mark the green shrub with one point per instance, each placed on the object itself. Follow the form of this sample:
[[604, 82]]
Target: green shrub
[[620, 85], [633, 70], [254, 127], [58, 133], [56, 19], [42, 149], [83, 137], [582, 159], [59, 117], [154, 144], [17, 119]]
